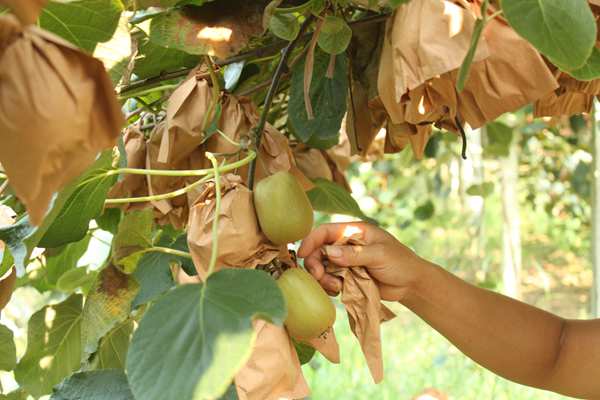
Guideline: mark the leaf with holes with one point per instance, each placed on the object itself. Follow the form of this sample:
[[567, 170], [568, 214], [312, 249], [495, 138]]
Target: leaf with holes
[[108, 304], [328, 98], [563, 30], [53, 347], [208, 335], [84, 23], [94, 385]]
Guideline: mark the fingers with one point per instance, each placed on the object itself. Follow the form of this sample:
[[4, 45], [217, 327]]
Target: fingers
[[314, 264], [354, 256], [324, 234]]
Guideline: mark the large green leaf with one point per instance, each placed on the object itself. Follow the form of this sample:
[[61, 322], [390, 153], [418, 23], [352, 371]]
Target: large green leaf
[[562, 30], [153, 60], [84, 204], [331, 198], [84, 23], [8, 351], [590, 70], [112, 352], [154, 273], [53, 347], [133, 236], [169, 3], [204, 331], [284, 26], [108, 304], [328, 99], [94, 385], [174, 30], [61, 260], [18, 394]]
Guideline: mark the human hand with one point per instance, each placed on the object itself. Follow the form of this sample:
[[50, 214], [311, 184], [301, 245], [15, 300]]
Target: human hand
[[394, 267]]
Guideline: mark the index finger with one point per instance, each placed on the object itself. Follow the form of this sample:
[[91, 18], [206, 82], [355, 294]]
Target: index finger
[[324, 234]]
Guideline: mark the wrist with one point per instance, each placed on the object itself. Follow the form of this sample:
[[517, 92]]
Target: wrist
[[420, 281]]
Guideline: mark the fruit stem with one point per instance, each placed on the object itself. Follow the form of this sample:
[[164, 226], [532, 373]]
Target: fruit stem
[[215, 225], [258, 130], [208, 172]]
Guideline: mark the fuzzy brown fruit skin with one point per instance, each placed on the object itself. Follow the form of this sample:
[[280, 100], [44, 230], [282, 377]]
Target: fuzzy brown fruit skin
[[283, 209], [7, 285], [310, 310]]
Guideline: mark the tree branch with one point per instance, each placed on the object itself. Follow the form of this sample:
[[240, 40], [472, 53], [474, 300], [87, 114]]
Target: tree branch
[[258, 52], [258, 130]]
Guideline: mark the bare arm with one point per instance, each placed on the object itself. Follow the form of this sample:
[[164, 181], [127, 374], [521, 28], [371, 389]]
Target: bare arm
[[512, 339]]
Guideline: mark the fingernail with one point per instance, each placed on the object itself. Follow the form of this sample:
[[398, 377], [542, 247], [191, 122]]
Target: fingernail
[[333, 251]]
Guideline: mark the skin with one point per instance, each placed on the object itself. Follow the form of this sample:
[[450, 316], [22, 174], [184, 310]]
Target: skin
[[514, 340]]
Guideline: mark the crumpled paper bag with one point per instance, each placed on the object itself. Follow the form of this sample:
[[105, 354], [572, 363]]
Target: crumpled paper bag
[[513, 76], [57, 111], [398, 136], [132, 185], [361, 298], [241, 241], [423, 39], [27, 11], [318, 164], [273, 371]]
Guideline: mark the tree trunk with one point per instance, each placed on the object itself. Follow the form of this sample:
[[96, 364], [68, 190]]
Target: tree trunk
[[595, 245], [511, 222]]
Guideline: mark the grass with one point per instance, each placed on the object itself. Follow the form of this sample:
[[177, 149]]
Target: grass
[[415, 358]]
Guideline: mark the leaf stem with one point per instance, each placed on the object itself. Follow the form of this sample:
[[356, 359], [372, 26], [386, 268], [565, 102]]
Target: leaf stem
[[167, 250], [258, 130], [215, 226], [145, 91]]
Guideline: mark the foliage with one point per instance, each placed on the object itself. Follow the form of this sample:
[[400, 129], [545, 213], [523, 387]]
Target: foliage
[[130, 329]]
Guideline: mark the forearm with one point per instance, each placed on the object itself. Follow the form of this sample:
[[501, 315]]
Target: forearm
[[510, 338]]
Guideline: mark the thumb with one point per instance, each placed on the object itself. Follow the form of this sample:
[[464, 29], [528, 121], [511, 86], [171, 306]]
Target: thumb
[[352, 256]]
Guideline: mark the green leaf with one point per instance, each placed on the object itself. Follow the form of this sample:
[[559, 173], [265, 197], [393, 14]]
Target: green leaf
[[84, 23], [18, 394], [284, 26], [154, 273], [590, 70], [563, 30], [84, 204], [335, 35], [482, 190], [425, 211], [208, 335], [61, 260], [53, 347], [174, 30], [305, 351], [112, 352], [328, 98], [230, 394], [331, 198], [134, 234], [8, 351], [153, 59], [232, 75], [465, 68], [74, 279], [108, 304], [499, 139], [94, 385], [109, 220]]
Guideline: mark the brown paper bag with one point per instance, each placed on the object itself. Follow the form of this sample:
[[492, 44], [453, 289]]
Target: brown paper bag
[[241, 242], [423, 39], [27, 11], [400, 135], [273, 371], [132, 185], [327, 345], [361, 298], [567, 103], [513, 76], [57, 111]]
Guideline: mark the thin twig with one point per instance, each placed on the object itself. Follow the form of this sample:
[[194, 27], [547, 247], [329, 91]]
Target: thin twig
[[3, 187], [271, 94], [258, 52], [463, 136]]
